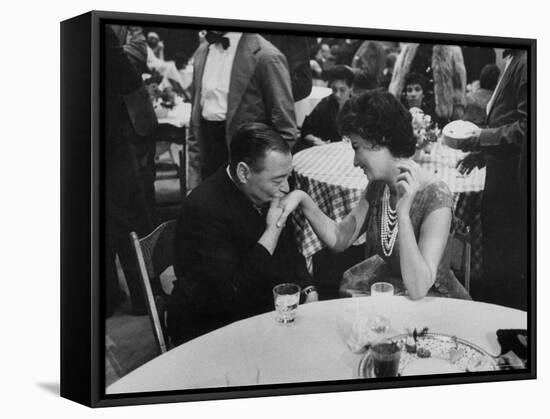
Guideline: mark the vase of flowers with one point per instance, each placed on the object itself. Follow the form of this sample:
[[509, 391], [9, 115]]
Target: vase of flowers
[[425, 132]]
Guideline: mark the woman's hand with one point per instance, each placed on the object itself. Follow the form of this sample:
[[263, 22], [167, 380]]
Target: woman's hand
[[407, 185], [288, 204]]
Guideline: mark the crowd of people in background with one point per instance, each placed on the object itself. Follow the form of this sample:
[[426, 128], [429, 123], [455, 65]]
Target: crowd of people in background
[[232, 79]]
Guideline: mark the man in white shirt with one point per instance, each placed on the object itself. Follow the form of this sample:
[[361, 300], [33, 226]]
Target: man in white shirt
[[237, 78]]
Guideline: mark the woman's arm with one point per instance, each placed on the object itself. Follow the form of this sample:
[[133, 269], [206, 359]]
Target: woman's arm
[[338, 236], [419, 261]]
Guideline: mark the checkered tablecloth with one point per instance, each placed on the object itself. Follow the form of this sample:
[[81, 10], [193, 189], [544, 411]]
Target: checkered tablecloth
[[327, 174]]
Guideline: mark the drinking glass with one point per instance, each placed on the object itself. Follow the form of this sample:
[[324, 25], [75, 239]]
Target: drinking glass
[[286, 298], [380, 291], [385, 358]]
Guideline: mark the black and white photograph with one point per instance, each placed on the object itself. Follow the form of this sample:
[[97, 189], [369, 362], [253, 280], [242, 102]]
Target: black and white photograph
[[247, 209], [288, 207]]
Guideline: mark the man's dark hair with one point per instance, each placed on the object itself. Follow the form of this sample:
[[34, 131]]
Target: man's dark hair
[[365, 80], [416, 78], [378, 117], [340, 72], [488, 77], [252, 142]]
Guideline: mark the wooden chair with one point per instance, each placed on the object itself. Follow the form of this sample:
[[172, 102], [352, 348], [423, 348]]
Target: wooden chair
[[154, 253], [462, 235]]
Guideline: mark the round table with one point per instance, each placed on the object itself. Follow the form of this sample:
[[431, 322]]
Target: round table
[[314, 348]]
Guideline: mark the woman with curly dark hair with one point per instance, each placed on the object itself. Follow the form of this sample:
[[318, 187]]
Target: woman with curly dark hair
[[405, 212]]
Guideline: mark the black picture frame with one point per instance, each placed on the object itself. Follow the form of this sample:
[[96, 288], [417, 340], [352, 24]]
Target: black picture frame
[[82, 214]]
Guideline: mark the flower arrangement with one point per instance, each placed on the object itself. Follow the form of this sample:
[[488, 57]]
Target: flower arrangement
[[424, 130]]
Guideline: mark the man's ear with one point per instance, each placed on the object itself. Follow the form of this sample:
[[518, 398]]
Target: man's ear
[[243, 172]]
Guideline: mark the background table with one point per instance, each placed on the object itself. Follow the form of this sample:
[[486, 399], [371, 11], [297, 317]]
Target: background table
[[314, 348], [327, 174]]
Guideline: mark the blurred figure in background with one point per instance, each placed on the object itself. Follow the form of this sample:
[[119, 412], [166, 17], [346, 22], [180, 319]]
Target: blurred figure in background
[[475, 59], [320, 126], [237, 78], [156, 45], [370, 57], [443, 68], [346, 51], [387, 74], [296, 49], [321, 61], [413, 94], [476, 101], [504, 215], [129, 160], [363, 81]]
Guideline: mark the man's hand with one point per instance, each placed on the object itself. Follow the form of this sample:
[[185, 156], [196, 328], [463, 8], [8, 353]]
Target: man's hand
[[471, 161]]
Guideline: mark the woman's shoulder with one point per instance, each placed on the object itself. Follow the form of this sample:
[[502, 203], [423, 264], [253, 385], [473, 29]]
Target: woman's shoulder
[[435, 194]]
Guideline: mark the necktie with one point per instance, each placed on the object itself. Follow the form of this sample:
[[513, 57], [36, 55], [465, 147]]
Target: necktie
[[217, 38]]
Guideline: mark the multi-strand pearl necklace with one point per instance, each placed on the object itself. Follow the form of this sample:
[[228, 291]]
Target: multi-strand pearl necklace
[[389, 224]]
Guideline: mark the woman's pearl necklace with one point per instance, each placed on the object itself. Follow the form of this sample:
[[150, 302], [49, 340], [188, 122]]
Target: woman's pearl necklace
[[389, 224]]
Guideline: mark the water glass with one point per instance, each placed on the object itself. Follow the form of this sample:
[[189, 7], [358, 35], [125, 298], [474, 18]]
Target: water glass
[[379, 292], [385, 359], [381, 289], [286, 298]]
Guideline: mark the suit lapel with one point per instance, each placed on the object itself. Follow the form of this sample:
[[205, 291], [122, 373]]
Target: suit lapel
[[198, 71], [244, 65], [200, 60], [502, 85]]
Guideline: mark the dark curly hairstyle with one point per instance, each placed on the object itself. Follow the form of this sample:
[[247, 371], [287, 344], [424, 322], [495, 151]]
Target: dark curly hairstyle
[[378, 117], [416, 78], [340, 72]]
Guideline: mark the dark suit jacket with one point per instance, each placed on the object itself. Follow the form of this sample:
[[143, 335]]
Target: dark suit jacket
[[223, 273], [297, 51], [132, 49], [507, 118], [259, 91]]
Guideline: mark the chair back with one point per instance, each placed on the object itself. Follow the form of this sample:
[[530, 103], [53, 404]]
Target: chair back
[[463, 235], [154, 253]]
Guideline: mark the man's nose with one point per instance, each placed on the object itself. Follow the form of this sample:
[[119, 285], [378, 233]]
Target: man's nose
[[355, 160]]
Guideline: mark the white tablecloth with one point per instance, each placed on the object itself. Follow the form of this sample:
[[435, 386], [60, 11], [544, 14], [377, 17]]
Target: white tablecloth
[[179, 115], [312, 349], [333, 164], [304, 107]]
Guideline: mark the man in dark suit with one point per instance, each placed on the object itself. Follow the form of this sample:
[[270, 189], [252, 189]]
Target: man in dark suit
[[229, 251], [129, 159], [503, 212], [237, 78]]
